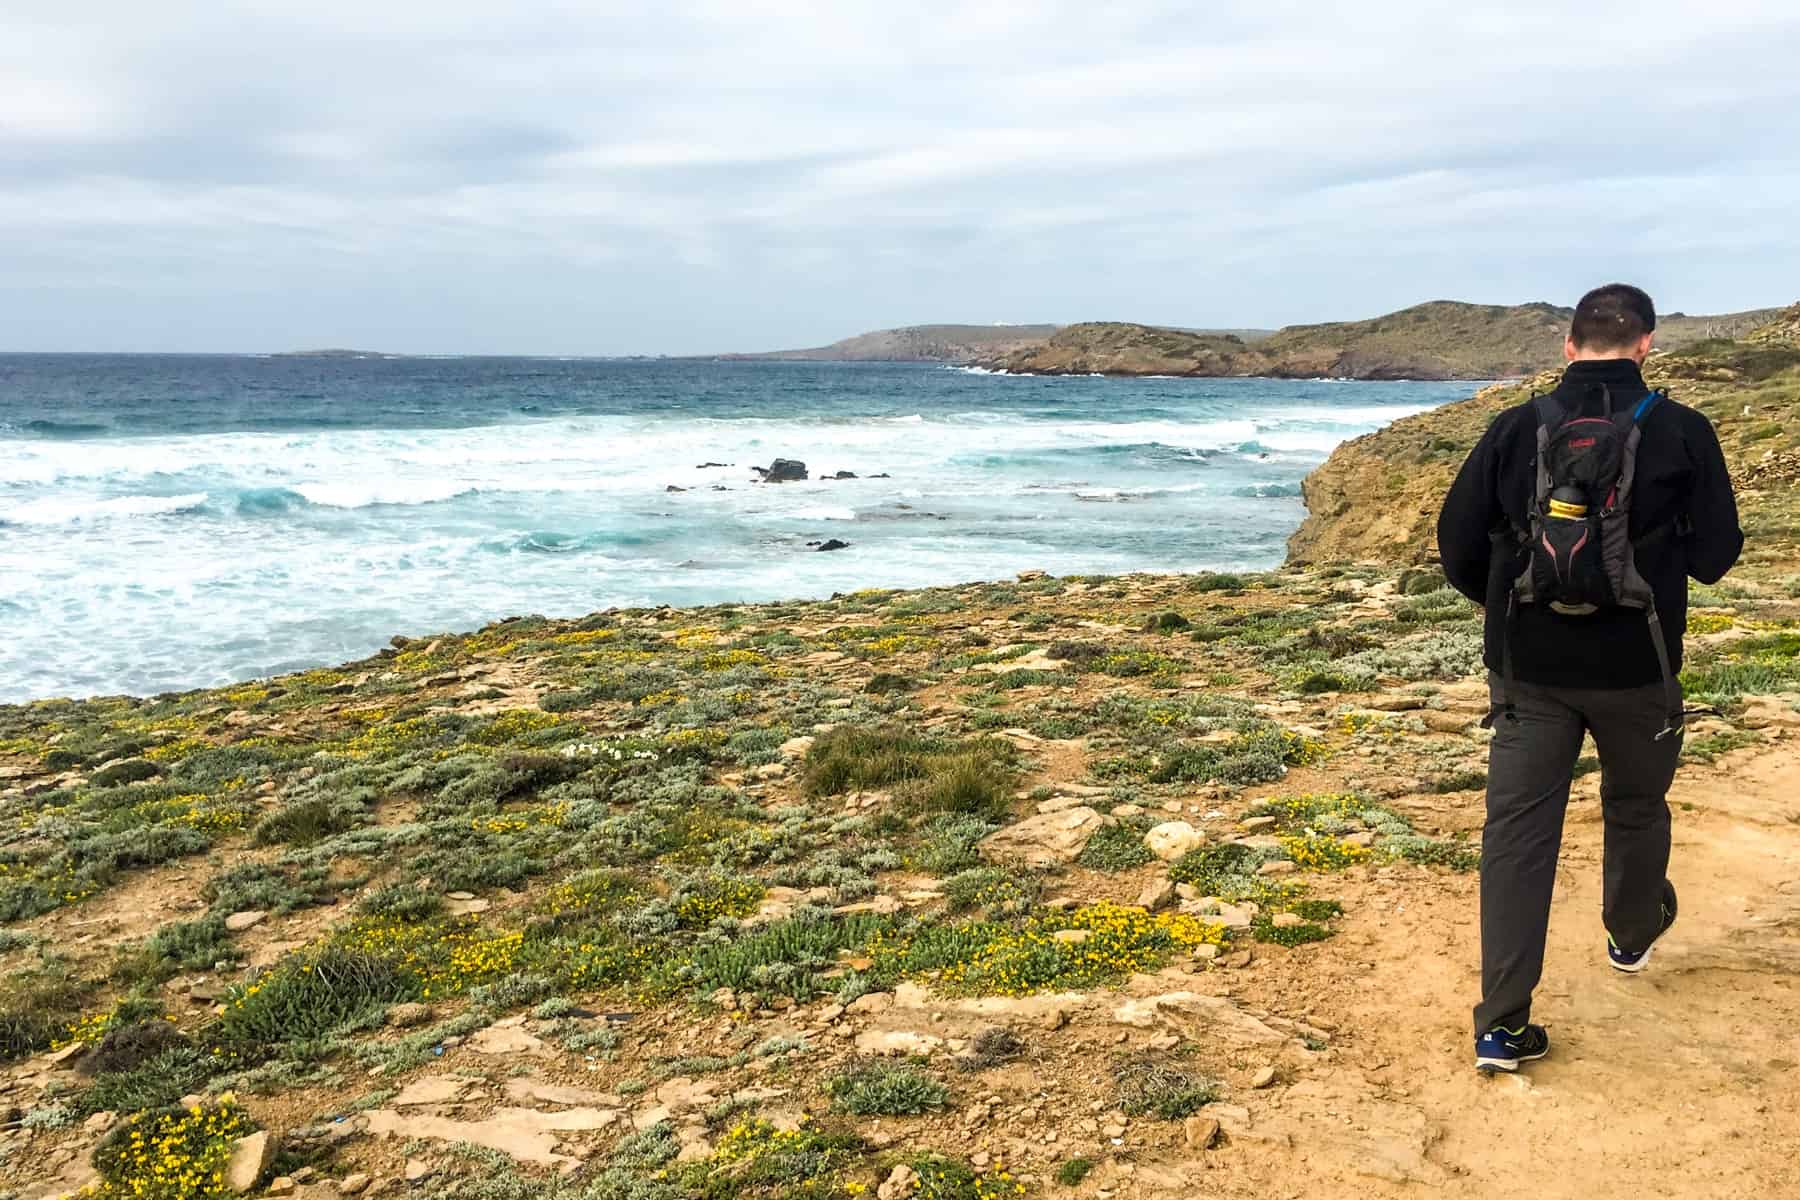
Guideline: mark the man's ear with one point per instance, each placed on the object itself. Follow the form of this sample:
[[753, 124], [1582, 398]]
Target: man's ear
[[1569, 350], [1643, 347]]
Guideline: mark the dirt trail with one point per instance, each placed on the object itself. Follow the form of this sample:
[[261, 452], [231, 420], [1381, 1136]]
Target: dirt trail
[[1679, 1082]]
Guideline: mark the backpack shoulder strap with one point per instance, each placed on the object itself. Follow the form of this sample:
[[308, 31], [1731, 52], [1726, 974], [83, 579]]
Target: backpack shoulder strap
[[1549, 411], [1647, 405]]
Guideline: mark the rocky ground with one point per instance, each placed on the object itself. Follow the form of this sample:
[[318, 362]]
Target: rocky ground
[[1070, 886]]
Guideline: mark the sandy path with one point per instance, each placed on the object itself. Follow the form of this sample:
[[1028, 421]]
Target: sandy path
[[1680, 1082]]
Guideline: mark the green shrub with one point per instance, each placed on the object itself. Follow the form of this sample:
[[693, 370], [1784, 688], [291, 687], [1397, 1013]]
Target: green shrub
[[312, 994], [303, 822], [255, 885], [1118, 847], [851, 758], [948, 842], [158, 1081], [885, 1090], [1264, 929], [1459, 781], [1458, 856], [993, 890], [1215, 581], [1226, 870], [1166, 622], [1071, 1173], [193, 945], [403, 902], [36, 1007]]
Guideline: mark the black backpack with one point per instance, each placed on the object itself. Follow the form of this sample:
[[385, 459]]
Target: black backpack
[[1577, 554]]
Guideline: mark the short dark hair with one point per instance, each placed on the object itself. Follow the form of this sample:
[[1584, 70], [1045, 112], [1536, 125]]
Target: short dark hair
[[1614, 316]]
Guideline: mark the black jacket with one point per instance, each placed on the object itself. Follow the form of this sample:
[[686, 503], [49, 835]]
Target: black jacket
[[1680, 473]]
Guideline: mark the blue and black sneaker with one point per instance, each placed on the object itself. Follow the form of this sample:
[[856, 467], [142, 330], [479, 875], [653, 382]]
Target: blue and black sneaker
[[1631, 963], [1502, 1049]]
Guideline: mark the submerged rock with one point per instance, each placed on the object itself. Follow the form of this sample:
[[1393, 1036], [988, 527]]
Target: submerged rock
[[782, 470]]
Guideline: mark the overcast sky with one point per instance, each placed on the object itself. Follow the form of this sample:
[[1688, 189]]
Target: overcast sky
[[675, 177]]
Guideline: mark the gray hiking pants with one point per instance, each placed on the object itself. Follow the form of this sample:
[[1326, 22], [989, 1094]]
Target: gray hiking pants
[[1530, 763]]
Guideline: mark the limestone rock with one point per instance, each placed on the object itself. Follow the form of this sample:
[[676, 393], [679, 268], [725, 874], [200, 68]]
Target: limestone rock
[[237, 922], [250, 1157], [1172, 839], [432, 1089], [408, 1015], [526, 1135], [1200, 1132], [1045, 840], [507, 1038], [1196, 1017], [354, 1185], [1157, 895], [899, 1184], [897, 1042]]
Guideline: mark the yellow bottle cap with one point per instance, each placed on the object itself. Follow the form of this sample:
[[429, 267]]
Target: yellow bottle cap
[[1562, 508]]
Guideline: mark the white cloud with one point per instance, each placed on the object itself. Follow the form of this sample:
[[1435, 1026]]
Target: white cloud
[[626, 177]]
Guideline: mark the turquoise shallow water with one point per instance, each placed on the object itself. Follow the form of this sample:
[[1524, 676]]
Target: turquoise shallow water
[[170, 522]]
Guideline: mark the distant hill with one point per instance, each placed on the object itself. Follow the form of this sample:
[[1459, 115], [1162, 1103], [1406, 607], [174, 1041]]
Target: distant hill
[[1377, 497], [1442, 339], [956, 344]]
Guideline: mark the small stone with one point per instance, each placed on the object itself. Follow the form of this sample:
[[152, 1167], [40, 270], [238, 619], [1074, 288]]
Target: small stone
[[1257, 824], [250, 1157], [1200, 1132], [1287, 920], [354, 1185], [1279, 866], [900, 1183], [1072, 937], [1205, 952], [1128, 810], [459, 895], [1263, 1078], [1172, 839], [237, 922], [1238, 961], [408, 1014], [771, 771], [830, 1013], [1055, 1019], [1113, 1130], [870, 1004], [282, 1185], [1362, 838], [100, 1122], [1157, 896], [417, 1169]]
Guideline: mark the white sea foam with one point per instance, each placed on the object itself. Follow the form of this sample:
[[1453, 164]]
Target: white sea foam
[[76, 510]]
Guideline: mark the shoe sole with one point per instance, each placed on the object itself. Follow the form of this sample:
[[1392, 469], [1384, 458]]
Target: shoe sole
[[1506, 1066], [1644, 958]]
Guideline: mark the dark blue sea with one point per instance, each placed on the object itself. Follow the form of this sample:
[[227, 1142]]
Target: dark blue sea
[[169, 522]]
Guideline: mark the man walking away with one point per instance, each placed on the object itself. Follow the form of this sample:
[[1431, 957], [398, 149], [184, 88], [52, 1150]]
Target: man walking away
[[1576, 523]]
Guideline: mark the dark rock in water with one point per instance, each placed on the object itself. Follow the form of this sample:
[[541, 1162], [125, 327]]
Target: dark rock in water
[[840, 475], [705, 465], [719, 487], [673, 488], [829, 544], [883, 475], [782, 470]]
